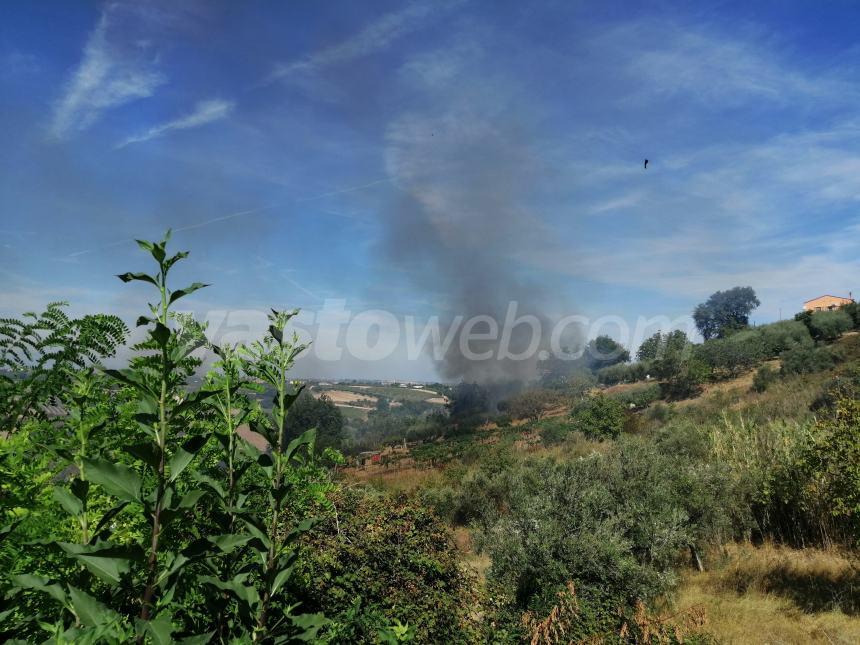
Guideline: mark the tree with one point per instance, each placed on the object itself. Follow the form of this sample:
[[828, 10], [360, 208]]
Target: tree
[[309, 412], [599, 417], [532, 404], [829, 325], [468, 399], [725, 311], [603, 352], [650, 348]]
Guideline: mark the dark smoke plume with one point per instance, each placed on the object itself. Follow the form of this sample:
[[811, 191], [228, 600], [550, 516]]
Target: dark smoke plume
[[465, 179]]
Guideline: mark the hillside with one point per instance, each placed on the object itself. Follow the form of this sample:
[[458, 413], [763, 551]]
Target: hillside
[[776, 581]]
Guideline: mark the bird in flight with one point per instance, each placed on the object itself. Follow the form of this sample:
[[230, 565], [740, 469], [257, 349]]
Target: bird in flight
[[646, 164]]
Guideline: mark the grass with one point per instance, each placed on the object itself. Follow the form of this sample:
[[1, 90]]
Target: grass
[[392, 393], [773, 594]]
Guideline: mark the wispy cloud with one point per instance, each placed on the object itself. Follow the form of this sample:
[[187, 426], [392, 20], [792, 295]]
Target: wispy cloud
[[115, 70], [204, 112], [375, 37], [714, 69]]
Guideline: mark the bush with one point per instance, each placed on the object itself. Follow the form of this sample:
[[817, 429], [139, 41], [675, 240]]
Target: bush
[[729, 357], [638, 398], [599, 417], [684, 378], [531, 404], [390, 558], [806, 360], [784, 335], [660, 412], [764, 378], [612, 525], [830, 325], [837, 459], [623, 373], [853, 310]]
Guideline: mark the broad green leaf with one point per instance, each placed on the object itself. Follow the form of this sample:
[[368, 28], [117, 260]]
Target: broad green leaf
[[7, 530], [243, 592], [309, 624], [306, 438], [28, 581], [185, 454], [160, 629], [147, 452], [117, 479], [229, 542], [276, 333], [108, 562], [160, 334], [90, 611], [190, 499], [211, 483], [180, 293], [128, 277], [71, 504], [282, 576]]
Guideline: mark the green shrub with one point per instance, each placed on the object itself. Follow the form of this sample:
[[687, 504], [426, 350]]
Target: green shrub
[[638, 398], [612, 525], [382, 559], [764, 378], [660, 412], [683, 378], [853, 310], [729, 357], [830, 325], [623, 373], [599, 417], [784, 335], [806, 360]]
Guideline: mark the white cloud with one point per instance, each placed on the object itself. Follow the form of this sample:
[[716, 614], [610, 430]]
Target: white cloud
[[375, 37], [204, 112], [114, 70], [726, 71]]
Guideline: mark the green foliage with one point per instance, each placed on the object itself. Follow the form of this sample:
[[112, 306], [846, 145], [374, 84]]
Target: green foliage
[[639, 397], [725, 312], [381, 559], [43, 351], [531, 404], [806, 360], [837, 463], [764, 377], [612, 524], [599, 417], [829, 325], [603, 351], [784, 335], [730, 357], [320, 414], [683, 377], [144, 557], [853, 310], [624, 373]]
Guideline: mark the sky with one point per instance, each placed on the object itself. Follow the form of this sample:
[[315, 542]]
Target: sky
[[283, 142]]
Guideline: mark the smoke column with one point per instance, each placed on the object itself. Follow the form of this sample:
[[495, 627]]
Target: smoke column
[[465, 180]]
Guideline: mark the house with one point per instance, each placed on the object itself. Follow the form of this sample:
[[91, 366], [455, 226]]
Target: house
[[827, 303]]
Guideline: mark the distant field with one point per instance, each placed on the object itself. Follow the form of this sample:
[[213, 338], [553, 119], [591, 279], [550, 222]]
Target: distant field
[[391, 392]]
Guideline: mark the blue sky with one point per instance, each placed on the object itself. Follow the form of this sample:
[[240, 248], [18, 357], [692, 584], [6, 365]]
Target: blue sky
[[283, 141]]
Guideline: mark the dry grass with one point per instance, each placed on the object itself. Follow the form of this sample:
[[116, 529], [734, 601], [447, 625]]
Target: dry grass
[[479, 564], [776, 595]]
